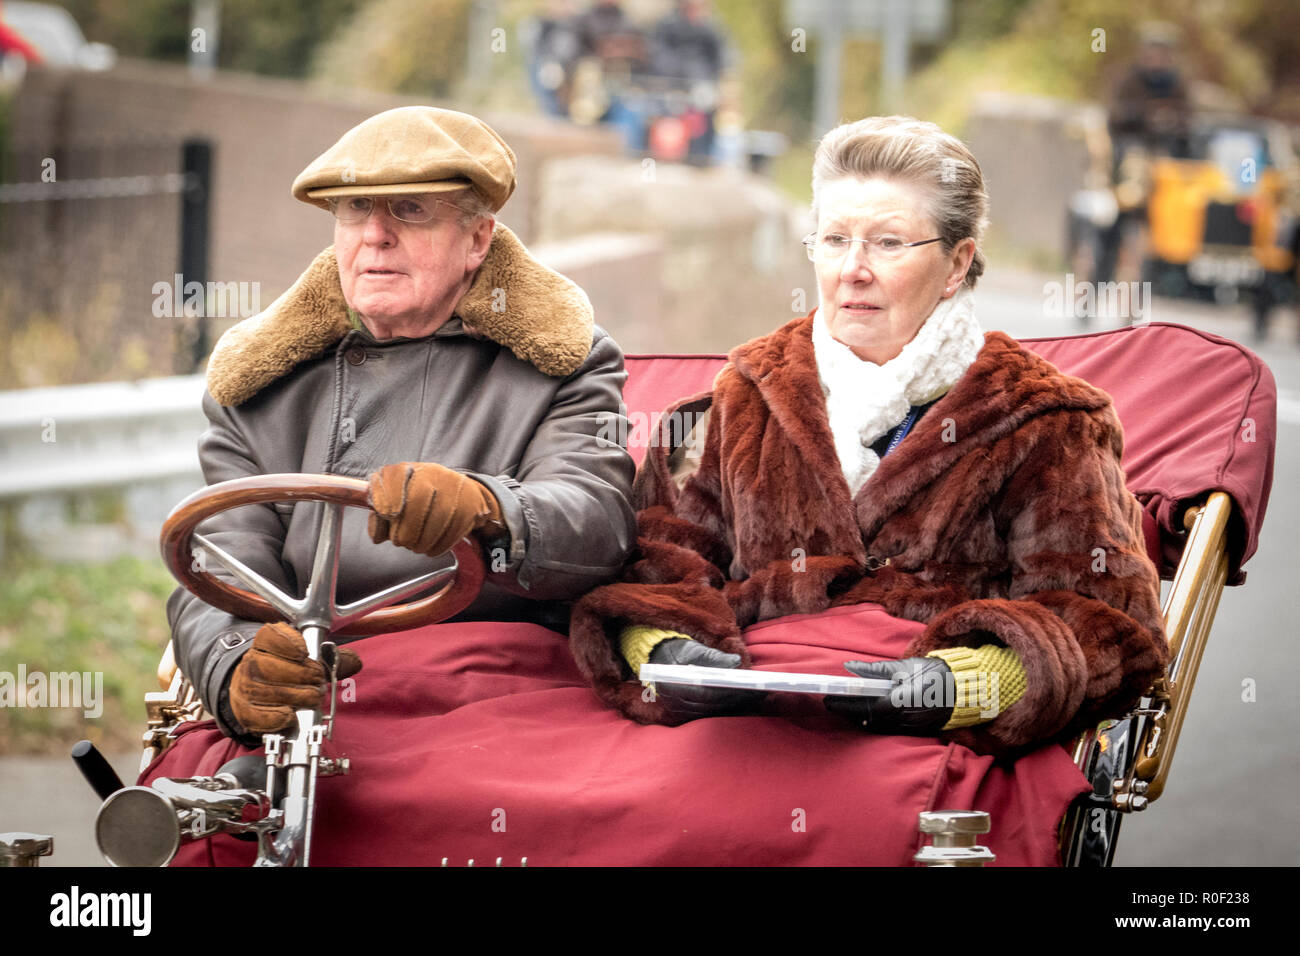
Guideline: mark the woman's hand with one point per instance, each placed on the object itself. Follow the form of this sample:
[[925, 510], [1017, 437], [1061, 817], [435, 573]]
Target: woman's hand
[[681, 700], [920, 703]]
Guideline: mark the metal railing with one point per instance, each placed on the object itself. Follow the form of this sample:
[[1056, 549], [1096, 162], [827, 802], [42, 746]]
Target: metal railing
[[86, 236]]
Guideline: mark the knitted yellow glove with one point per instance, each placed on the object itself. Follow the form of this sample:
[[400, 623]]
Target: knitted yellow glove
[[637, 641], [989, 680]]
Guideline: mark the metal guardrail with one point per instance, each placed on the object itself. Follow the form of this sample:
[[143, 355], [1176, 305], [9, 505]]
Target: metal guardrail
[[86, 437], [104, 187]]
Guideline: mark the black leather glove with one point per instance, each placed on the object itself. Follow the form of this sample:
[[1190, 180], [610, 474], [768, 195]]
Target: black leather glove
[[683, 700], [919, 705]]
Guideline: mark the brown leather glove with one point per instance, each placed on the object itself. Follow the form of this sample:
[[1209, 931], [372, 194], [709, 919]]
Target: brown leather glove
[[428, 508], [275, 677]]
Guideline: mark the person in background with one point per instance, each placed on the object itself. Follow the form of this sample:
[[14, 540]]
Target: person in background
[[612, 59], [555, 47], [1150, 104], [688, 49]]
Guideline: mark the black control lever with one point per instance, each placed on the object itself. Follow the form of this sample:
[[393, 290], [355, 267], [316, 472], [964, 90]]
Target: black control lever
[[102, 778], [249, 770]]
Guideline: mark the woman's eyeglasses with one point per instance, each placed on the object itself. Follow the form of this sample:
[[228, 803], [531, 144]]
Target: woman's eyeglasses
[[413, 209], [833, 246]]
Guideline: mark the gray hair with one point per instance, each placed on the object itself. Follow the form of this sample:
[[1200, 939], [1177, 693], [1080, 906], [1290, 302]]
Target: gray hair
[[917, 152], [472, 204]]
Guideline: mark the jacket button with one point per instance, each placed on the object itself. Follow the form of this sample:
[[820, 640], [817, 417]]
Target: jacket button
[[355, 355]]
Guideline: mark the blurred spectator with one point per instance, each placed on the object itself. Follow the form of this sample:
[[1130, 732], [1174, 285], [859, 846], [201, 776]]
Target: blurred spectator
[[604, 30], [1150, 104], [687, 45], [556, 47], [688, 50], [612, 57]]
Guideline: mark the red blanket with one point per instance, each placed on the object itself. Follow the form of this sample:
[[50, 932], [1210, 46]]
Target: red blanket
[[478, 741]]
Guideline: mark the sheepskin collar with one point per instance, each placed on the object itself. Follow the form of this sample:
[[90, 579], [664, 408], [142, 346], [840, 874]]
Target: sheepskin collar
[[546, 321]]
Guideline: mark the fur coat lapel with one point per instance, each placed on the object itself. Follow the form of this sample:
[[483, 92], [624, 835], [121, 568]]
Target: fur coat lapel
[[789, 414], [542, 317], [1004, 387]]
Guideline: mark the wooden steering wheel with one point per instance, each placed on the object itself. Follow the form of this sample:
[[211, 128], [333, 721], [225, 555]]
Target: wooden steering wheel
[[266, 602]]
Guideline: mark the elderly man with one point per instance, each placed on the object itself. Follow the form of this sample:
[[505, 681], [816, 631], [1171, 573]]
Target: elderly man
[[427, 352]]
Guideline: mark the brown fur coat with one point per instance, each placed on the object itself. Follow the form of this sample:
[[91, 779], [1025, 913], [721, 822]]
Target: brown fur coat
[[1004, 516]]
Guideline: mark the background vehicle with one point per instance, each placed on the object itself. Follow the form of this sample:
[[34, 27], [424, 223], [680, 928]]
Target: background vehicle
[[55, 36], [1218, 222], [1222, 222]]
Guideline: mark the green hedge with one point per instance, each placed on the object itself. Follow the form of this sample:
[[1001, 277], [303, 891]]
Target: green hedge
[[104, 619]]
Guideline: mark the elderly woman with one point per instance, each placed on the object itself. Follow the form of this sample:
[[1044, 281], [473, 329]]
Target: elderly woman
[[883, 454]]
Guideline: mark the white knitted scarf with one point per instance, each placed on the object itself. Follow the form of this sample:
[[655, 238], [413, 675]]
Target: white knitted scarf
[[865, 400]]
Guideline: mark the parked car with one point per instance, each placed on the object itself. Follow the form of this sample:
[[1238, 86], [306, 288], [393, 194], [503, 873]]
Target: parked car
[[54, 36]]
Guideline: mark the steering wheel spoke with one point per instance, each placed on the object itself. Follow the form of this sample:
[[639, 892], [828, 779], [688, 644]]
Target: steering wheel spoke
[[289, 607], [318, 602], [263, 601], [345, 615]]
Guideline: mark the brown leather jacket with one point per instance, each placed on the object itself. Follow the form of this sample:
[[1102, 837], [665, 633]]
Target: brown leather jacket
[[521, 398]]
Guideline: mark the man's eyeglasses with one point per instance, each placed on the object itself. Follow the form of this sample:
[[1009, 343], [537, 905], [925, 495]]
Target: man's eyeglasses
[[832, 246], [413, 209]]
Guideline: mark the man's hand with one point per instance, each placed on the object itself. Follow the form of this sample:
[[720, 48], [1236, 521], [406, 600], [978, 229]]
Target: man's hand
[[428, 508], [920, 703], [275, 678], [683, 700]]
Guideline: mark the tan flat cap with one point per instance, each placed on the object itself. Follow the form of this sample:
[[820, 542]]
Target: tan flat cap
[[413, 149]]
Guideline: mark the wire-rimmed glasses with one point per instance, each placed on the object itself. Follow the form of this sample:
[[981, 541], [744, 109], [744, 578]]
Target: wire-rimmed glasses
[[412, 209], [834, 245]]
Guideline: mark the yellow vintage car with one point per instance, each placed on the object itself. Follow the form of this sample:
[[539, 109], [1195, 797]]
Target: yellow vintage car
[[1218, 222], [1223, 221]]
